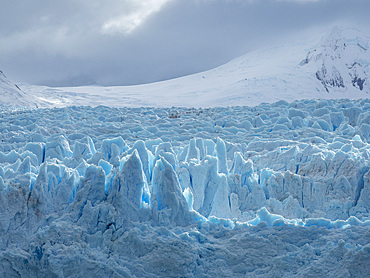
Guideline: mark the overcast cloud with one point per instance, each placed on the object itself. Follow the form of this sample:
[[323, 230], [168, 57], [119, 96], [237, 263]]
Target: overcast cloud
[[121, 42]]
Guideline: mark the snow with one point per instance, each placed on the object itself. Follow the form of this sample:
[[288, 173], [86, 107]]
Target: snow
[[333, 64], [278, 189], [11, 94]]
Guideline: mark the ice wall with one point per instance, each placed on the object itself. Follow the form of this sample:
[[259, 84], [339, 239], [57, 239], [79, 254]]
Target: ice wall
[[299, 160], [106, 173]]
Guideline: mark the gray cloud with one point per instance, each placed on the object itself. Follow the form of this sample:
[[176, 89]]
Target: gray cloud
[[68, 42]]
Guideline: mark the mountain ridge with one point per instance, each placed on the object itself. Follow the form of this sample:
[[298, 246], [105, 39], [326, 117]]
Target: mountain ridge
[[11, 94], [330, 66], [338, 48]]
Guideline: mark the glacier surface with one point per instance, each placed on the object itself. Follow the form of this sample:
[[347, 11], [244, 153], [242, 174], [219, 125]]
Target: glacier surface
[[276, 190]]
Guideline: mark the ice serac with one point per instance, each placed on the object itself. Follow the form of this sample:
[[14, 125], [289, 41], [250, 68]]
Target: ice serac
[[146, 157], [92, 186], [90, 209], [204, 182], [193, 151], [168, 202], [58, 148], [362, 202], [39, 200], [221, 156], [221, 206], [112, 148], [130, 192]]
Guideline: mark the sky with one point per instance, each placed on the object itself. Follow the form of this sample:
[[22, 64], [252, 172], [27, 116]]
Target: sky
[[126, 42]]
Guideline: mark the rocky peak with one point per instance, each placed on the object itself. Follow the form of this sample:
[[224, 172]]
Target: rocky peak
[[342, 60]]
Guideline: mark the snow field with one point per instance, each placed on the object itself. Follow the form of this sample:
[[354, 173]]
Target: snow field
[[330, 64], [274, 190]]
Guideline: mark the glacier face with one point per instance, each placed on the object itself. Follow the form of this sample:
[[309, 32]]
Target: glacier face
[[278, 189]]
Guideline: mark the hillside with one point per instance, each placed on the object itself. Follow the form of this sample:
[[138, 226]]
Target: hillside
[[331, 65], [11, 94]]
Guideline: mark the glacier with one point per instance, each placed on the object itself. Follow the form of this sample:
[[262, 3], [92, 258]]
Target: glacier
[[275, 190]]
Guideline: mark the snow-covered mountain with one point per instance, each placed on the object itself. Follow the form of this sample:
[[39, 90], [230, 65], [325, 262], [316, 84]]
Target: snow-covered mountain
[[327, 65], [342, 61], [11, 94]]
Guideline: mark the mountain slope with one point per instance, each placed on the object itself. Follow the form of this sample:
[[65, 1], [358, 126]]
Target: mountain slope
[[333, 65], [342, 61], [11, 94]]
